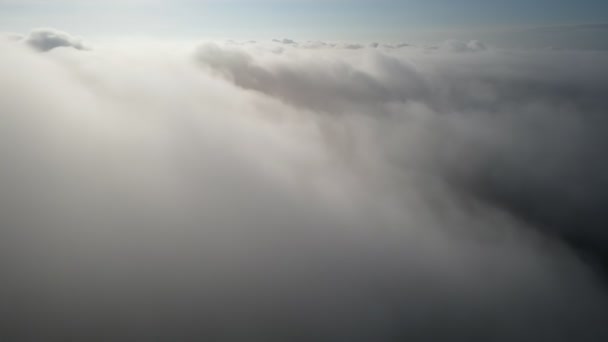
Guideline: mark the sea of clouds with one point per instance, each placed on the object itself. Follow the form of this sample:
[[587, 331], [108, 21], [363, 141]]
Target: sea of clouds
[[301, 191]]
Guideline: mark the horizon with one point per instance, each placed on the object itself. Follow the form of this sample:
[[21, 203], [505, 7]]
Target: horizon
[[505, 24]]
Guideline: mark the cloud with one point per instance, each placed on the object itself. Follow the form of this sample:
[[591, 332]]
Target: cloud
[[460, 46], [285, 41], [318, 45], [10, 36], [226, 192], [48, 39], [395, 46], [334, 87]]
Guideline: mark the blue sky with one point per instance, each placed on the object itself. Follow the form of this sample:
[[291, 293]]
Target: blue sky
[[409, 20]]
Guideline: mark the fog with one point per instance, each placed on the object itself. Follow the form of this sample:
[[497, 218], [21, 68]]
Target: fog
[[301, 191]]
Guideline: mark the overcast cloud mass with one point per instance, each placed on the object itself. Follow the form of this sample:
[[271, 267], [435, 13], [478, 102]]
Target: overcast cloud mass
[[301, 191]]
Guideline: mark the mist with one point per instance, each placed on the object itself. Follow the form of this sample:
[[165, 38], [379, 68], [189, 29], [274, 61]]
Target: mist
[[301, 191]]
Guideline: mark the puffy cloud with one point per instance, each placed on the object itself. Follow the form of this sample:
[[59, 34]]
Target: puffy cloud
[[48, 39], [231, 193]]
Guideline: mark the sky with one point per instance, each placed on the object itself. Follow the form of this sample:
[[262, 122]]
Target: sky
[[512, 23]]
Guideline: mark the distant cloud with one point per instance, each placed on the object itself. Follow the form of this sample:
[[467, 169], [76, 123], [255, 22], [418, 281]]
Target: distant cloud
[[285, 41], [352, 46], [570, 28], [395, 45], [462, 46], [46, 39], [11, 36], [317, 44]]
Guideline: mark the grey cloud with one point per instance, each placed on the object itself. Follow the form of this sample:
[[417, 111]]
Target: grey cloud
[[352, 46], [396, 46], [318, 45], [465, 89], [48, 39], [285, 41], [333, 87], [346, 45], [317, 195]]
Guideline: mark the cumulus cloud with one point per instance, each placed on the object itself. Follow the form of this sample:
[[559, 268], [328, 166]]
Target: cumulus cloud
[[229, 193], [48, 39]]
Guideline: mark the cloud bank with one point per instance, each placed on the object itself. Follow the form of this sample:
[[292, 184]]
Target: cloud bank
[[231, 192]]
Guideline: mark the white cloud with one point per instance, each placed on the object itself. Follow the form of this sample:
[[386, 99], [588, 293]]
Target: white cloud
[[11, 36], [226, 192]]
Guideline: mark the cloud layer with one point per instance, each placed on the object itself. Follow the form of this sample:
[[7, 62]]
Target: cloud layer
[[236, 192]]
